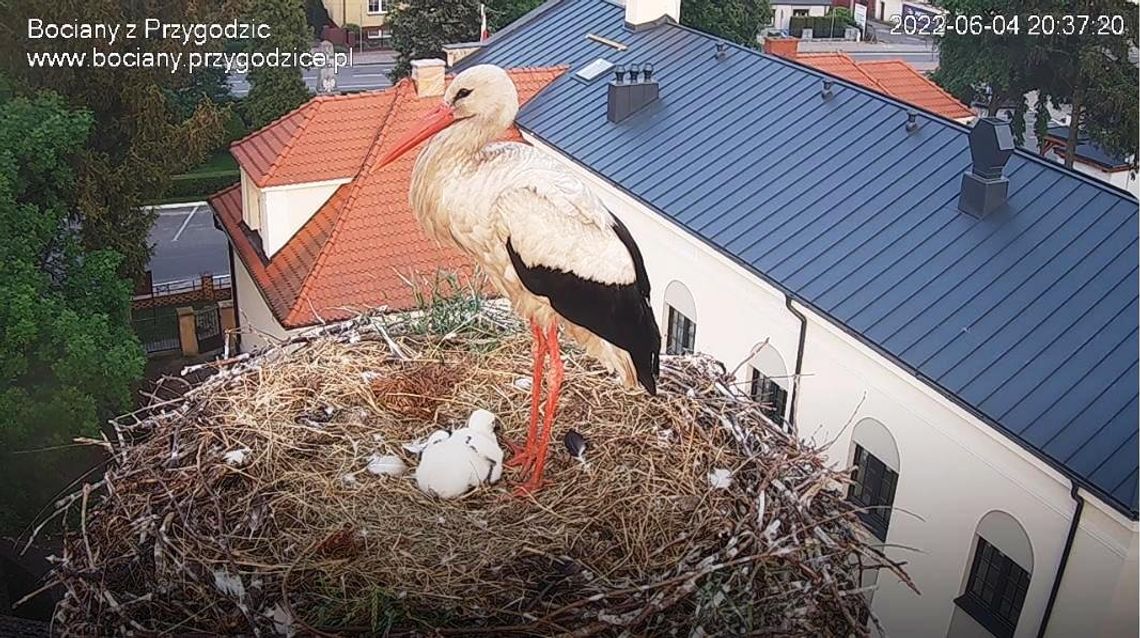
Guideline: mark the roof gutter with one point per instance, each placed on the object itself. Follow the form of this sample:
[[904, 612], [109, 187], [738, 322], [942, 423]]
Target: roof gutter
[[799, 360], [1064, 560]]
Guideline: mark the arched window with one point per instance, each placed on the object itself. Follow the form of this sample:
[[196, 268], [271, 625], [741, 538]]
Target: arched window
[[681, 319], [875, 457], [999, 568], [769, 381]]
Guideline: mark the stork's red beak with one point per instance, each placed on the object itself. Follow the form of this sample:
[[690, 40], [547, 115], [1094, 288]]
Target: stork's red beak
[[440, 118]]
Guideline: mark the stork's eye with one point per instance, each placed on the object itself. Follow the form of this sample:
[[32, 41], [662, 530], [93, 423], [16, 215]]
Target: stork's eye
[[462, 93]]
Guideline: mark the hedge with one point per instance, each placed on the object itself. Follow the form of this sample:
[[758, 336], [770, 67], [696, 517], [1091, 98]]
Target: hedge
[[199, 186], [821, 26]]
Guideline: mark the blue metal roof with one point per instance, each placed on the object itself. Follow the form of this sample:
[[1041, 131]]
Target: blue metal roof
[[1026, 318], [1088, 150]]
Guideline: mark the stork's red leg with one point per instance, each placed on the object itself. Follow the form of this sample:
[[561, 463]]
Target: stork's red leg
[[524, 457], [535, 481]]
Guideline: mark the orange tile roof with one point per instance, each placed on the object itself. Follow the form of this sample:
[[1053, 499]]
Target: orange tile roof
[[325, 138], [360, 246], [889, 77], [840, 65], [902, 81]]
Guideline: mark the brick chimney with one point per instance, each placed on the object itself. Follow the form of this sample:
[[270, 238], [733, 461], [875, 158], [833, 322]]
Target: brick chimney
[[783, 47], [428, 76], [644, 13]]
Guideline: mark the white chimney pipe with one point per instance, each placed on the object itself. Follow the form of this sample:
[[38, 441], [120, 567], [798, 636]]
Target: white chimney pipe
[[428, 76], [641, 12]]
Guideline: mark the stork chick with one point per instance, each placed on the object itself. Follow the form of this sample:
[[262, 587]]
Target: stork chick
[[543, 238], [452, 465]]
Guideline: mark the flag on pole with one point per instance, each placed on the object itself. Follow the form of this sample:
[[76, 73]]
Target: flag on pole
[[483, 32]]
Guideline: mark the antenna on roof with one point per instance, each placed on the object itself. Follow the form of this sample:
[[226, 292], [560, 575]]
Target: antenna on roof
[[911, 120]]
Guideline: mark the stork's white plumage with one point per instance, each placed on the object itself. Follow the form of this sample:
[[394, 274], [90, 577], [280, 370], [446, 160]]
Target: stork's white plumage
[[542, 236]]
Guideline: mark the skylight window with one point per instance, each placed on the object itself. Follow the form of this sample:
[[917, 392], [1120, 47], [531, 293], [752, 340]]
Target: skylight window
[[594, 70]]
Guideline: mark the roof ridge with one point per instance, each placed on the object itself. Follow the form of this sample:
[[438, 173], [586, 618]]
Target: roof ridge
[[914, 72], [356, 184]]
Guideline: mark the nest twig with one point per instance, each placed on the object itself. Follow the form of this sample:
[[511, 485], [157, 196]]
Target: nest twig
[[293, 534]]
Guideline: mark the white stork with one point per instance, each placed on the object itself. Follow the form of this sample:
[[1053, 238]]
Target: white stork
[[544, 239]]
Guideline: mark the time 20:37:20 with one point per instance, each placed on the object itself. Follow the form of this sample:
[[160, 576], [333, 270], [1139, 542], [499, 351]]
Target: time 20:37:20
[[1031, 24]]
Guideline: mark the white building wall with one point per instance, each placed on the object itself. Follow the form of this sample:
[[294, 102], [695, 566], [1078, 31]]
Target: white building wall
[[886, 10], [258, 326], [252, 202], [954, 469], [287, 208], [782, 13]]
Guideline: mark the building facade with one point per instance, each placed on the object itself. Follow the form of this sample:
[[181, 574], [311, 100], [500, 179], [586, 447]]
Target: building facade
[[982, 391]]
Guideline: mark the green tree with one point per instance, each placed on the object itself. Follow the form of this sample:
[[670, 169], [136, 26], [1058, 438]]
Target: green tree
[[141, 136], [1090, 73], [275, 91], [500, 13], [420, 28], [1078, 65], [737, 21], [67, 353]]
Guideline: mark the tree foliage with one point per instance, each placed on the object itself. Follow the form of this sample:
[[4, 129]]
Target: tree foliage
[[275, 91], [420, 28], [143, 131], [1086, 71], [67, 354], [738, 21]]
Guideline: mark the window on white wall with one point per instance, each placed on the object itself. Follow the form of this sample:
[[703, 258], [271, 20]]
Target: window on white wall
[[874, 491], [799, 12], [680, 319], [682, 333], [875, 459], [771, 396], [375, 6], [1000, 569]]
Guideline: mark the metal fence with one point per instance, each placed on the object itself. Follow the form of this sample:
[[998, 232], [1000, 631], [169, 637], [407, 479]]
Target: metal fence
[[158, 332]]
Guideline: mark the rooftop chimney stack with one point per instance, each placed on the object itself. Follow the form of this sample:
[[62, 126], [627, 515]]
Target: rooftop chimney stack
[[428, 76], [648, 13], [984, 188], [626, 97]]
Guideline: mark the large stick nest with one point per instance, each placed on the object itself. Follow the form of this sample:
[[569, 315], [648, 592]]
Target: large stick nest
[[290, 533]]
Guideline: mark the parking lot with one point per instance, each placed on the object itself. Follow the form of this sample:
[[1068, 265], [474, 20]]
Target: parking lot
[[186, 244]]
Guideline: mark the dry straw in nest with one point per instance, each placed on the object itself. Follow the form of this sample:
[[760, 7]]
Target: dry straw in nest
[[245, 506]]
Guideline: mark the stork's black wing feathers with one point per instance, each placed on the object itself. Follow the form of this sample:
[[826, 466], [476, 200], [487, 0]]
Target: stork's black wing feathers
[[618, 313]]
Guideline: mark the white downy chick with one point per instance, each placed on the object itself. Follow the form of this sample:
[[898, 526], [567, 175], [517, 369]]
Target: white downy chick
[[467, 458]]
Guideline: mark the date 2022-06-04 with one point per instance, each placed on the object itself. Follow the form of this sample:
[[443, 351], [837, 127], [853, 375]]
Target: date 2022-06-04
[[1030, 24]]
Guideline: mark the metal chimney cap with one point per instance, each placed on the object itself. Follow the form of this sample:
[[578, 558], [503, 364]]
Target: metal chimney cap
[[991, 144]]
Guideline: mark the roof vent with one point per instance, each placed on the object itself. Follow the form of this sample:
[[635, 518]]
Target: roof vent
[[721, 50], [624, 98], [984, 188], [911, 120], [826, 92]]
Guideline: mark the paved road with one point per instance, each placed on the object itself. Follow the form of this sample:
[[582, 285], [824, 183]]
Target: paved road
[[186, 244], [369, 73]]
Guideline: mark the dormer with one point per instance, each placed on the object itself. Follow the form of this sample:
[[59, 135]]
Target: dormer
[[292, 166]]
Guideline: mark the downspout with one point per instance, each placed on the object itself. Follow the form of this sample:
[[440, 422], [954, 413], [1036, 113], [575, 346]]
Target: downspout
[[234, 298], [799, 360], [1064, 560]]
